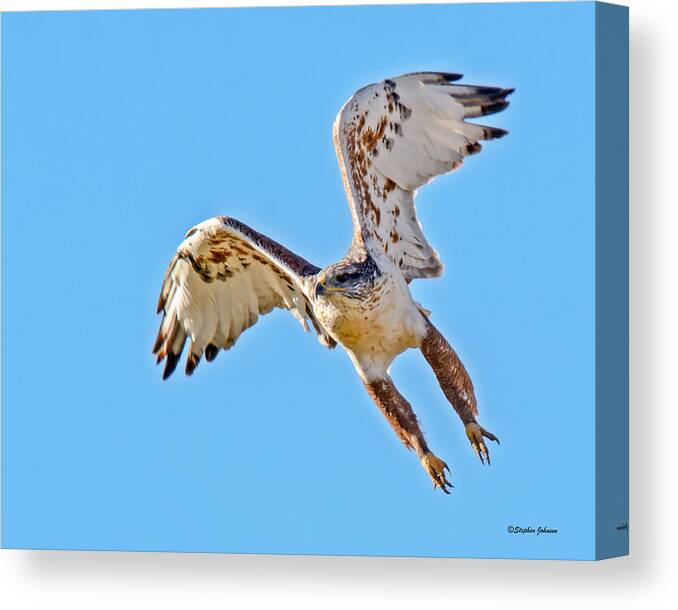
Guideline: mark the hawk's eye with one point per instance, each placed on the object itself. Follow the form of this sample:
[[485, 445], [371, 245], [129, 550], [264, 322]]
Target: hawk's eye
[[342, 278]]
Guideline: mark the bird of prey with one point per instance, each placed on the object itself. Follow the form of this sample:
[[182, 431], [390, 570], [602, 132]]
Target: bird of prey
[[390, 138]]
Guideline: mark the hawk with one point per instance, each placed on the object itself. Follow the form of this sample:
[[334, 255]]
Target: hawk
[[390, 138]]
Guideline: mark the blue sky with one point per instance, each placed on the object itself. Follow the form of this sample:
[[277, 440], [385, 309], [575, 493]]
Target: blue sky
[[120, 130]]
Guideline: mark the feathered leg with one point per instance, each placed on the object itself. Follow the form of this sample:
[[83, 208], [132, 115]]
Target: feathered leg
[[456, 384], [400, 415]]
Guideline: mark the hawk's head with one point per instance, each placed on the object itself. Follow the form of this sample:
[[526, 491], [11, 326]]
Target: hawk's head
[[347, 279]]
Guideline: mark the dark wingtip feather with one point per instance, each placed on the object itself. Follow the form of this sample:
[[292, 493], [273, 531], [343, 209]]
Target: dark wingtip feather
[[170, 365], [191, 362], [451, 76], [158, 343], [432, 77], [494, 108], [494, 133], [473, 148], [211, 352]]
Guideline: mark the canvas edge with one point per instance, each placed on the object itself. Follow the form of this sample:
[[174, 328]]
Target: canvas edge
[[612, 281]]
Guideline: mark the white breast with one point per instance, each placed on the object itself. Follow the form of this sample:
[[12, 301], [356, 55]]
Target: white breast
[[375, 331]]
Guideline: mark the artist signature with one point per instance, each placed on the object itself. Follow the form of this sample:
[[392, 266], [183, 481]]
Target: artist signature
[[519, 529]]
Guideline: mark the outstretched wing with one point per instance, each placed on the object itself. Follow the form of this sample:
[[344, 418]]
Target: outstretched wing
[[222, 278], [393, 137]]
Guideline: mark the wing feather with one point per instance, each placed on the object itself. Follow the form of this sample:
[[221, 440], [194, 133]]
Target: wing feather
[[223, 277], [395, 136]]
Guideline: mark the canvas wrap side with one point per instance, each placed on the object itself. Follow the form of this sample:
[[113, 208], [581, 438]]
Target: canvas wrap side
[[612, 281]]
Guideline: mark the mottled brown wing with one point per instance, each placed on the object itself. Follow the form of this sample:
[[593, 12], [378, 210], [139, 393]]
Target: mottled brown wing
[[393, 137], [223, 276]]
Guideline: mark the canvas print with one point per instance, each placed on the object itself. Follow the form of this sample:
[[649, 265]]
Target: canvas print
[[260, 172]]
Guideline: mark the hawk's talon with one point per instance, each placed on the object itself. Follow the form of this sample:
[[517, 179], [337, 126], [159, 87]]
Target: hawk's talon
[[435, 467], [475, 433]]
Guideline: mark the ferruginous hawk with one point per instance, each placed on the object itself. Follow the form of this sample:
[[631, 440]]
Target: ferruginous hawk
[[390, 138]]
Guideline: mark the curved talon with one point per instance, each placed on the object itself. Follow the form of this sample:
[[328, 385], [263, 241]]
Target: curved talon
[[475, 434], [488, 434], [435, 467]]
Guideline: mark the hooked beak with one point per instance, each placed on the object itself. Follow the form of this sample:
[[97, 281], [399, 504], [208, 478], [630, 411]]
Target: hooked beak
[[319, 288]]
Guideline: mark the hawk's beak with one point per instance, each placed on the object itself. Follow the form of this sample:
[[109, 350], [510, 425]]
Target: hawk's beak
[[319, 289]]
